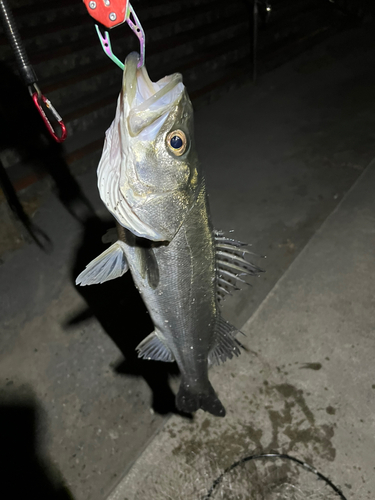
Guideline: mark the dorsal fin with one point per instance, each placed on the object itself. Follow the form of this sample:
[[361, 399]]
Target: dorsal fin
[[231, 264], [107, 266], [154, 348], [226, 345]]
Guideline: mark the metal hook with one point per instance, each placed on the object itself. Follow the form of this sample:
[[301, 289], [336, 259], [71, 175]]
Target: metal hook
[[138, 30], [39, 99], [106, 46]]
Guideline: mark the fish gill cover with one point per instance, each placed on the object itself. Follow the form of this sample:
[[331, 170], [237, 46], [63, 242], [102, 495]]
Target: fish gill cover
[[138, 179]]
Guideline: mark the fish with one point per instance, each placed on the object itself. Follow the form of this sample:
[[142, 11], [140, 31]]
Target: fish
[[151, 181]]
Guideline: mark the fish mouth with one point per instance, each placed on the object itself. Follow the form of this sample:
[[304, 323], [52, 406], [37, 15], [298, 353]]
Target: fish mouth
[[148, 101], [142, 110]]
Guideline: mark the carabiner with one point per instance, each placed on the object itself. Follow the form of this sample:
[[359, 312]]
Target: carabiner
[[39, 99]]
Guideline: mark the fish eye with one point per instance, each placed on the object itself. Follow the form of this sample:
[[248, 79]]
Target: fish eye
[[177, 142]]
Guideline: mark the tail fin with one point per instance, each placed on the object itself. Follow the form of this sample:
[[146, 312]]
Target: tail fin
[[189, 401]]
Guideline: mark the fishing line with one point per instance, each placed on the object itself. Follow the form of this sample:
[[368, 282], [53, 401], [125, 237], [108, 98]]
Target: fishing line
[[274, 455]]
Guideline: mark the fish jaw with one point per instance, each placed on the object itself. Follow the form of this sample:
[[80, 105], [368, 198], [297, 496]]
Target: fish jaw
[[146, 187]]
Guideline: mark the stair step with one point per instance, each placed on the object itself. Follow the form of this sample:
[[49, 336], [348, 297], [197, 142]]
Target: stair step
[[196, 71], [99, 113], [208, 41], [92, 79], [53, 62], [73, 29]]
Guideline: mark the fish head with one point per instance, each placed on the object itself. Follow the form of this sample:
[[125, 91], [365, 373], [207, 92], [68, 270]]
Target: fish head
[[149, 175]]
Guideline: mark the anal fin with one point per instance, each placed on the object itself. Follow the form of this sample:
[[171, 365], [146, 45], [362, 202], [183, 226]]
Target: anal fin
[[154, 348], [107, 266], [226, 345]]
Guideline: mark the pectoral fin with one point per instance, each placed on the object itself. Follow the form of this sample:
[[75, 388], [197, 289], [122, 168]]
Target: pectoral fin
[[107, 266], [111, 236], [154, 348], [152, 269], [147, 265], [226, 345]]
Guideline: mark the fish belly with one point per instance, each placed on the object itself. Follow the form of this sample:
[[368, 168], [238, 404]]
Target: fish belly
[[183, 304]]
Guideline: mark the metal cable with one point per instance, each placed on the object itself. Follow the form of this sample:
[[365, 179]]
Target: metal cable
[[24, 67], [275, 455]]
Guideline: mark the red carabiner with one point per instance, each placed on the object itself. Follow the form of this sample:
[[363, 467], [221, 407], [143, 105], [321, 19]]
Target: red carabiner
[[38, 99]]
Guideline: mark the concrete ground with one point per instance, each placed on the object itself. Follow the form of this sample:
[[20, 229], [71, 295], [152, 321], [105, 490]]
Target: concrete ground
[[279, 158], [305, 386]]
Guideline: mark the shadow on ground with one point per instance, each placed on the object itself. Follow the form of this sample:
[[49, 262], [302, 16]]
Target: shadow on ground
[[24, 472], [39, 155], [116, 305]]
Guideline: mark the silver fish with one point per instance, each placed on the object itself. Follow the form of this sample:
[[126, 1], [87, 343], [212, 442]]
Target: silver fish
[[150, 180]]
